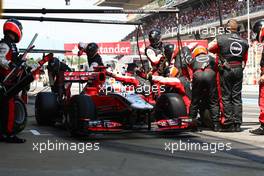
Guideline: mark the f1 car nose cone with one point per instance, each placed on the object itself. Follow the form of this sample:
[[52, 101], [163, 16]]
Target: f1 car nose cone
[[138, 103], [142, 106]]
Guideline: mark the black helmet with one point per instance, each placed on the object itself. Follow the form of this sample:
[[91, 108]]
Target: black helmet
[[54, 65], [15, 27], [168, 51], [258, 29], [155, 37], [91, 49]]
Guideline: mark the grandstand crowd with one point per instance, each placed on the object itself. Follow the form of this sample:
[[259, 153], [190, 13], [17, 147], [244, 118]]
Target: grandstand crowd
[[198, 14]]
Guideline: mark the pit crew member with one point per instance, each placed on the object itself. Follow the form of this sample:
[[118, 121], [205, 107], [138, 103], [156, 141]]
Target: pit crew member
[[9, 59], [258, 29], [93, 57], [232, 54], [173, 67], [204, 84], [56, 70], [154, 52]]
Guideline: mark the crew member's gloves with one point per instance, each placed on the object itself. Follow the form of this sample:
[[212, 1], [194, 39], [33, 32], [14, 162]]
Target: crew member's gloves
[[138, 71], [32, 66], [11, 65], [81, 47], [173, 71], [52, 87], [80, 53], [192, 45], [149, 76], [226, 65], [2, 90], [18, 60], [243, 65], [204, 66], [261, 80]]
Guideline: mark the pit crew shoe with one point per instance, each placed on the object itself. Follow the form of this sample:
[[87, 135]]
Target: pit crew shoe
[[229, 128], [258, 131], [217, 127], [237, 128], [2, 139]]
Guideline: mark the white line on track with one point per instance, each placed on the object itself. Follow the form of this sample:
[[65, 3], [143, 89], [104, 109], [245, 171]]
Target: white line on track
[[35, 132], [250, 113]]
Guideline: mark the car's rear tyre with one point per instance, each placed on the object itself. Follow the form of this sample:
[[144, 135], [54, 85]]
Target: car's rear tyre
[[20, 116], [46, 108], [80, 107], [206, 119], [170, 105]]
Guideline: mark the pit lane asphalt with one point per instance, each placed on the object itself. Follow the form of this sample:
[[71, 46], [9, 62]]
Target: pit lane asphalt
[[136, 154]]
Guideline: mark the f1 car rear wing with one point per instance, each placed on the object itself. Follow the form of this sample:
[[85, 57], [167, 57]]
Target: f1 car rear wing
[[84, 77]]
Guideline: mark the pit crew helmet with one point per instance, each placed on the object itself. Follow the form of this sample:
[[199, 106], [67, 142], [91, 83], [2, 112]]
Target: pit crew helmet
[[54, 65], [168, 51], [199, 50], [91, 49], [155, 37], [15, 27], [258, 29]]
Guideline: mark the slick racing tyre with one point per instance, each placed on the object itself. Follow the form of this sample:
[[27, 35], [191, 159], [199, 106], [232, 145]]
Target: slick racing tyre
[[170, 105], [46, 108], [80, 107], [206, 118], [20, 116], [205, 115]]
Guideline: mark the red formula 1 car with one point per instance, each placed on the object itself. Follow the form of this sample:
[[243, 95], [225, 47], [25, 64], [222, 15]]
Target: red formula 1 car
[[104, 107]]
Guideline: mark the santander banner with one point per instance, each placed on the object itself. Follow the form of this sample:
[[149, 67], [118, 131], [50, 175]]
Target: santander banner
[[125, 48], [114, 48]]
